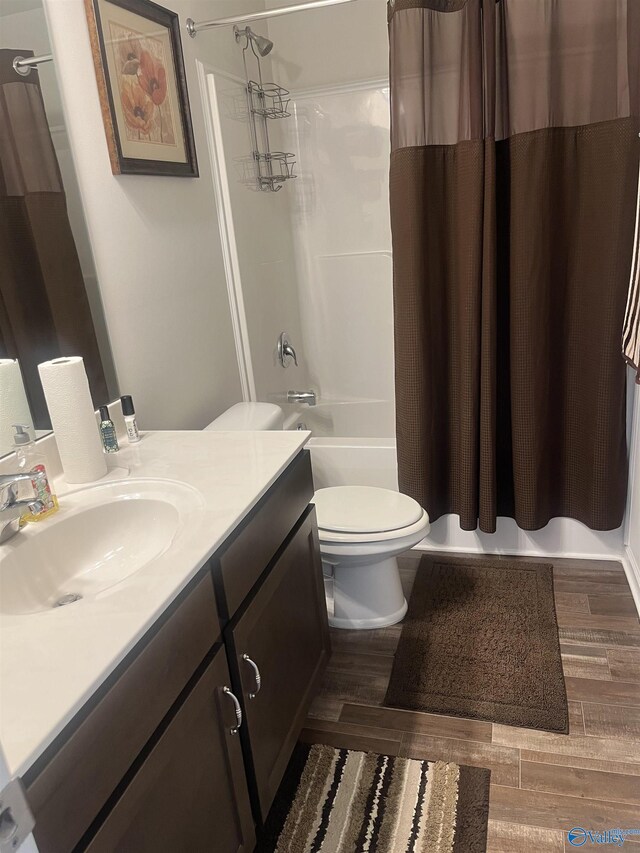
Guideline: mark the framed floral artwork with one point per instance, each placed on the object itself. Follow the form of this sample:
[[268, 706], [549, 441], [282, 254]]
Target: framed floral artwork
[[137, 54]]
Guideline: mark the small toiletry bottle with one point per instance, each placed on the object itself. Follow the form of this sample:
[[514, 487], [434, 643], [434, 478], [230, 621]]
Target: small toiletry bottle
[[31, 461], [108, 432], [130, 419]]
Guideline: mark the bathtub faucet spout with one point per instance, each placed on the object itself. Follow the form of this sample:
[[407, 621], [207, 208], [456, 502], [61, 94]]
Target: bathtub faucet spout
[[308, 397]]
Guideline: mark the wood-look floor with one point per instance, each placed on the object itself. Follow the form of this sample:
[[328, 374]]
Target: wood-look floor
[[542, 784]]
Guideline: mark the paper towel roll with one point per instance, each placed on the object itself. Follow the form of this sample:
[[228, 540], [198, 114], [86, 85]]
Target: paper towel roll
[[14, 408], [66, 390]]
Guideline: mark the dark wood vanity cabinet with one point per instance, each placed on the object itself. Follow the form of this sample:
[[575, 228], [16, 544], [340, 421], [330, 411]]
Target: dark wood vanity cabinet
[[151, 764], [284, 635], [190, 792]]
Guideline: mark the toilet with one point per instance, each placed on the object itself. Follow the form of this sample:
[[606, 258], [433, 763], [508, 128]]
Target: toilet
[[362, 530]]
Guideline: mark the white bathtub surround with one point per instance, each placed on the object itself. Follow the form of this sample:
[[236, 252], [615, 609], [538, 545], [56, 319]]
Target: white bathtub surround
[[353, 461], [53, 661], [255, 235], [362, 530], [323, 270], [343, 242], [345, 418]]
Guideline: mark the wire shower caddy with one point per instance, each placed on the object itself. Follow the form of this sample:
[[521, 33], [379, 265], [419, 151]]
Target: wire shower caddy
[[266, 102]]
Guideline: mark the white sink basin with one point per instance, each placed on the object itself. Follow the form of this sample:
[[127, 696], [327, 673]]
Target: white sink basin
[[100, 536]]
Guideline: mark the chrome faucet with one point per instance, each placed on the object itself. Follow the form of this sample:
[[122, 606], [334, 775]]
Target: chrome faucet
[[308, 397], [12, 510]]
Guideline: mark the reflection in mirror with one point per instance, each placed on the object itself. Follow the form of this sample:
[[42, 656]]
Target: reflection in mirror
[[14, 407], [49, 297]]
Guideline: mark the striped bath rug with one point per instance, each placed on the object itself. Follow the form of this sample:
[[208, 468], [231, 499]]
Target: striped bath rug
[[343, 801]]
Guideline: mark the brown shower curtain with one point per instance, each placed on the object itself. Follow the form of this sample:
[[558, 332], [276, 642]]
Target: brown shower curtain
[[44, 310], [514, 172]]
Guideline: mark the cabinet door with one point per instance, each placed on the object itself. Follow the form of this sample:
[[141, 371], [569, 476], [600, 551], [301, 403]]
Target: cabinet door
[[190, 792], [284, 632]]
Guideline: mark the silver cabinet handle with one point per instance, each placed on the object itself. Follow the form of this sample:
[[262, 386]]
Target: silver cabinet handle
[[234, 730], [256, 673]]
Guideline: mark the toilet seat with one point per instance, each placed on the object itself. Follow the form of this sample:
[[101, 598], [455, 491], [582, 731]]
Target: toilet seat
[[335, 537], [365, 510]]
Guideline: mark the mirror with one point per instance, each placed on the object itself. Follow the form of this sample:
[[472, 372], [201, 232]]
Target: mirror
[[50, 302], [14, 406]]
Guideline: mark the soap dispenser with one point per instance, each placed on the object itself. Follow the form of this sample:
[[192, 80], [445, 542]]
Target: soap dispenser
[[108, 431], [31, 461]]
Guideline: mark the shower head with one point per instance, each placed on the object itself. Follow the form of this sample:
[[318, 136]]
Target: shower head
[[263, 45]]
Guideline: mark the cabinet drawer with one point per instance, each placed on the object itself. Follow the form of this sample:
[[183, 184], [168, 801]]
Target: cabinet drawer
[[190, 793], [284, 631], [68, 792], [245, 558]]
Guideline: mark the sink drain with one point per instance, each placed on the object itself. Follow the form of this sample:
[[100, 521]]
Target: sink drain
[[69, 598]]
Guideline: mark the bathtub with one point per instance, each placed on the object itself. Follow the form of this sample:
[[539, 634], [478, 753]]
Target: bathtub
[[340, 455]]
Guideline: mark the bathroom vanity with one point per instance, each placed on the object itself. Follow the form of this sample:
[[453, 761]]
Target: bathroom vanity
[[183, 744]]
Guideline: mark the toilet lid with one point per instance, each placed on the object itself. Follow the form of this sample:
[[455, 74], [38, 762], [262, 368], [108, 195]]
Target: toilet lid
[[364, 509]]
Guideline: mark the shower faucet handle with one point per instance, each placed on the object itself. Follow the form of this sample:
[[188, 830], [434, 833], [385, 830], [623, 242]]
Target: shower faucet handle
[[289, 352], [285, 351]]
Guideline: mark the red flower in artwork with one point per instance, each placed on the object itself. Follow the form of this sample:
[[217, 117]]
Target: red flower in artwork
[[152, 77], [137, 106]]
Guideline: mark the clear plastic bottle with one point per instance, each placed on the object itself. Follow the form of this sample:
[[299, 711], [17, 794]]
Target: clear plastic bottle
[[130, 419], [30, 460]]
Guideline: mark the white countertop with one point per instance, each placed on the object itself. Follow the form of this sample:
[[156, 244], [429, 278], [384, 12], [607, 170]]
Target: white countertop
[[53, 661]]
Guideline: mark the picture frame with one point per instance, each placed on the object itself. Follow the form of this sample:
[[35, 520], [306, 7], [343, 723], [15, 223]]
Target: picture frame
[[137, 54]]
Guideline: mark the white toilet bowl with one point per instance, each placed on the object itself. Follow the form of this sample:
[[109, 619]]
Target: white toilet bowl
[[362, 530]]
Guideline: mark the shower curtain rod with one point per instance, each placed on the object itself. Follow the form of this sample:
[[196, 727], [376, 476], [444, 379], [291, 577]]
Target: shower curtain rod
[[193, 28], [22, 65]]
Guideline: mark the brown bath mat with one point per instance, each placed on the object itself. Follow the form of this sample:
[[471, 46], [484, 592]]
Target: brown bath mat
[[480, 640], [342, 801]]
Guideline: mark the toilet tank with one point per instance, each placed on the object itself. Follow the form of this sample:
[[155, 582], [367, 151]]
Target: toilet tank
[[249, 416]]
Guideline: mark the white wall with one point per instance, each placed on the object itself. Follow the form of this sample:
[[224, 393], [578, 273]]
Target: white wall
[[155, 240], [632, 539]]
